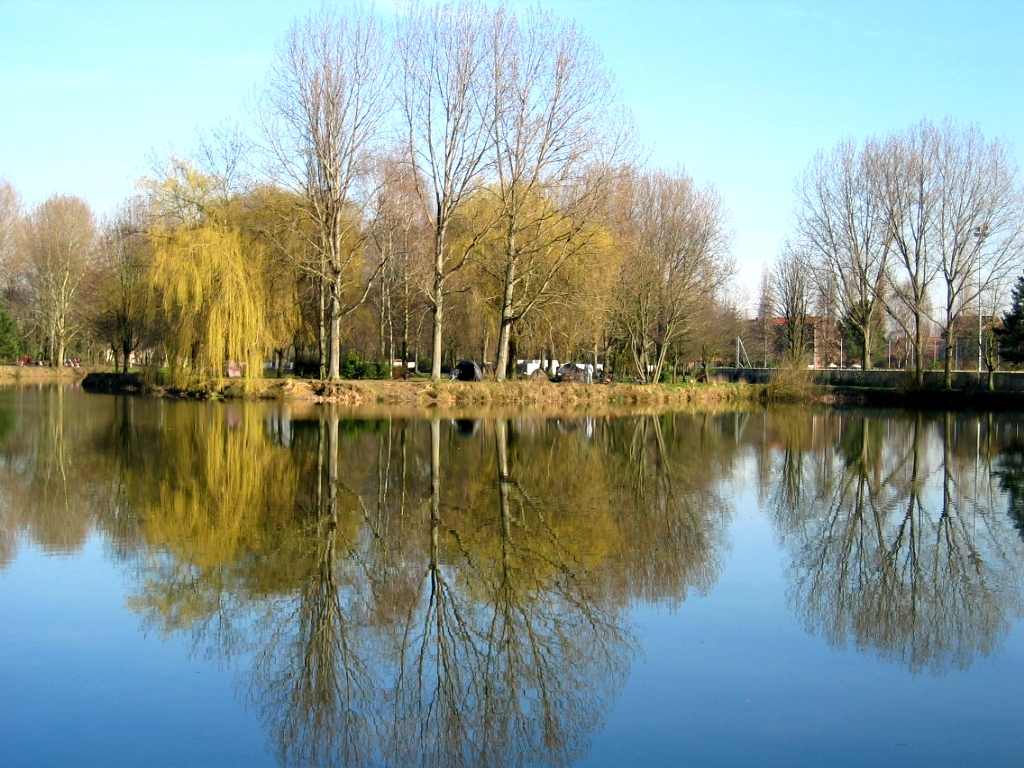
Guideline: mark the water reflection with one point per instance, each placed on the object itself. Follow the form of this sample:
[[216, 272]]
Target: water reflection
[[456, 592], [899, 539], [428, 592]]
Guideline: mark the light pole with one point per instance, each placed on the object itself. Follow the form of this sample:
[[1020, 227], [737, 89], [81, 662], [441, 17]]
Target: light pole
[[979, 236]]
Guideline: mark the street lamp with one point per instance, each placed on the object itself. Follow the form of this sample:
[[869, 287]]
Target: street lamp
[[979, 236]]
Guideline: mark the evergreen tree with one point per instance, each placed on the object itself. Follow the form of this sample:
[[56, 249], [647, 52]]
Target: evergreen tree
[[10, 341], [1011, 335]]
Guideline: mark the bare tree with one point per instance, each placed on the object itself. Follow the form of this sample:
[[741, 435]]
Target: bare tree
[[225, 152], [791, 285], [557, 142], [978, 238], [398, 234], [59, 248], [10, 217], [324, 106], [124, 253], [905, 195], [677, 263], [841, 225], [764, 330], [444, 98]]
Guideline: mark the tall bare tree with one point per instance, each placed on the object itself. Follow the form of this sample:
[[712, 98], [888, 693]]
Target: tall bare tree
[[677, 263], [124, 253], [792, 289], [444, 101], [323, 110], [841, 225], [558, 141], [10, 217], [902, 186], [59, 250], [978, 239]]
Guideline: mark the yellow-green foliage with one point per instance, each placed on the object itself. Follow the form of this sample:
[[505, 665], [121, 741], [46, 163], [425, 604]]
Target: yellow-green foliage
[[216, 277], [211, 285]]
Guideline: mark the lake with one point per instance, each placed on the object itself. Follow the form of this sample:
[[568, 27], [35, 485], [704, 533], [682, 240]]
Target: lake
[[274, 584]]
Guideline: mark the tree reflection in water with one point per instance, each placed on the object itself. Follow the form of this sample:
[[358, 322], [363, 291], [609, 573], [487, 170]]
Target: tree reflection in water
[[444, 592], [424, 592], [898, 540]]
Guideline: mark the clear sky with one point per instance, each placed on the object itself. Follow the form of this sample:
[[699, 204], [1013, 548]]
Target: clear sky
[[741, 93]]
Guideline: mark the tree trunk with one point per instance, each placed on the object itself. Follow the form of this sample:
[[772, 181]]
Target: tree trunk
[[947, 379], [918, 356], [504, 345], [513, 356], [438, 308], [438, 312], [322, 326], [334, 356], [506, 319]]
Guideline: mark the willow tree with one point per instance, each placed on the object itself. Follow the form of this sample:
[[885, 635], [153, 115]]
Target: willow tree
[[266, 217], [208, 278], [212, 295], [323, 109]]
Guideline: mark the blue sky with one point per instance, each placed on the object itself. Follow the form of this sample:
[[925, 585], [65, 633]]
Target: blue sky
[[741, 93]]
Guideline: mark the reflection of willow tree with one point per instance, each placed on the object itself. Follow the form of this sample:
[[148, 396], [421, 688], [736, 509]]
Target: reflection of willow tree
[[418, 594], [211, 499], [899, 547]]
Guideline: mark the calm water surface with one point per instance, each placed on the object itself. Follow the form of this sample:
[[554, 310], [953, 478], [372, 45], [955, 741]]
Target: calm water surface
[[209, 584]]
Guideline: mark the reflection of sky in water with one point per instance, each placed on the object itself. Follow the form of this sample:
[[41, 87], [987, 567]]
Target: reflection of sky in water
[[724, 665]]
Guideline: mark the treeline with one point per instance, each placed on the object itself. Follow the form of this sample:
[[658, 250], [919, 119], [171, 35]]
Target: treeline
[[462, 183], [911, 240]]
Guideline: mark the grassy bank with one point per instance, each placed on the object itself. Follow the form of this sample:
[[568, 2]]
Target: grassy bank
[[449, 393], [529, 393], [537, 396], [38, 373]]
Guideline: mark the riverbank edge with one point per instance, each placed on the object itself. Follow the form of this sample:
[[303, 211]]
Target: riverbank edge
[[444, 393], [39, 373], [534, 395], [931, 399]]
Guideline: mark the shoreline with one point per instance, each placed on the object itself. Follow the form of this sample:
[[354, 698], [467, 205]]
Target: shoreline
[[449, 394], [40, 373], [537, 396], [927, 399]]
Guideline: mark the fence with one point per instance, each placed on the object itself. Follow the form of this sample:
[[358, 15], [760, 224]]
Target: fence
[[1004, 381]]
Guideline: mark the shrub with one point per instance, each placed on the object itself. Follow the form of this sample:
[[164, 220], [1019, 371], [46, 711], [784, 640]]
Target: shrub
[[791, 385], [352, 367]]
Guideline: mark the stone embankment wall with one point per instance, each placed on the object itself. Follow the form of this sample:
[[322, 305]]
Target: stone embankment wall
[[1005, 381]]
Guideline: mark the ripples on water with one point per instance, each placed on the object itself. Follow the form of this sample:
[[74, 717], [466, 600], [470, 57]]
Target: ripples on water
[[436, 591]]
